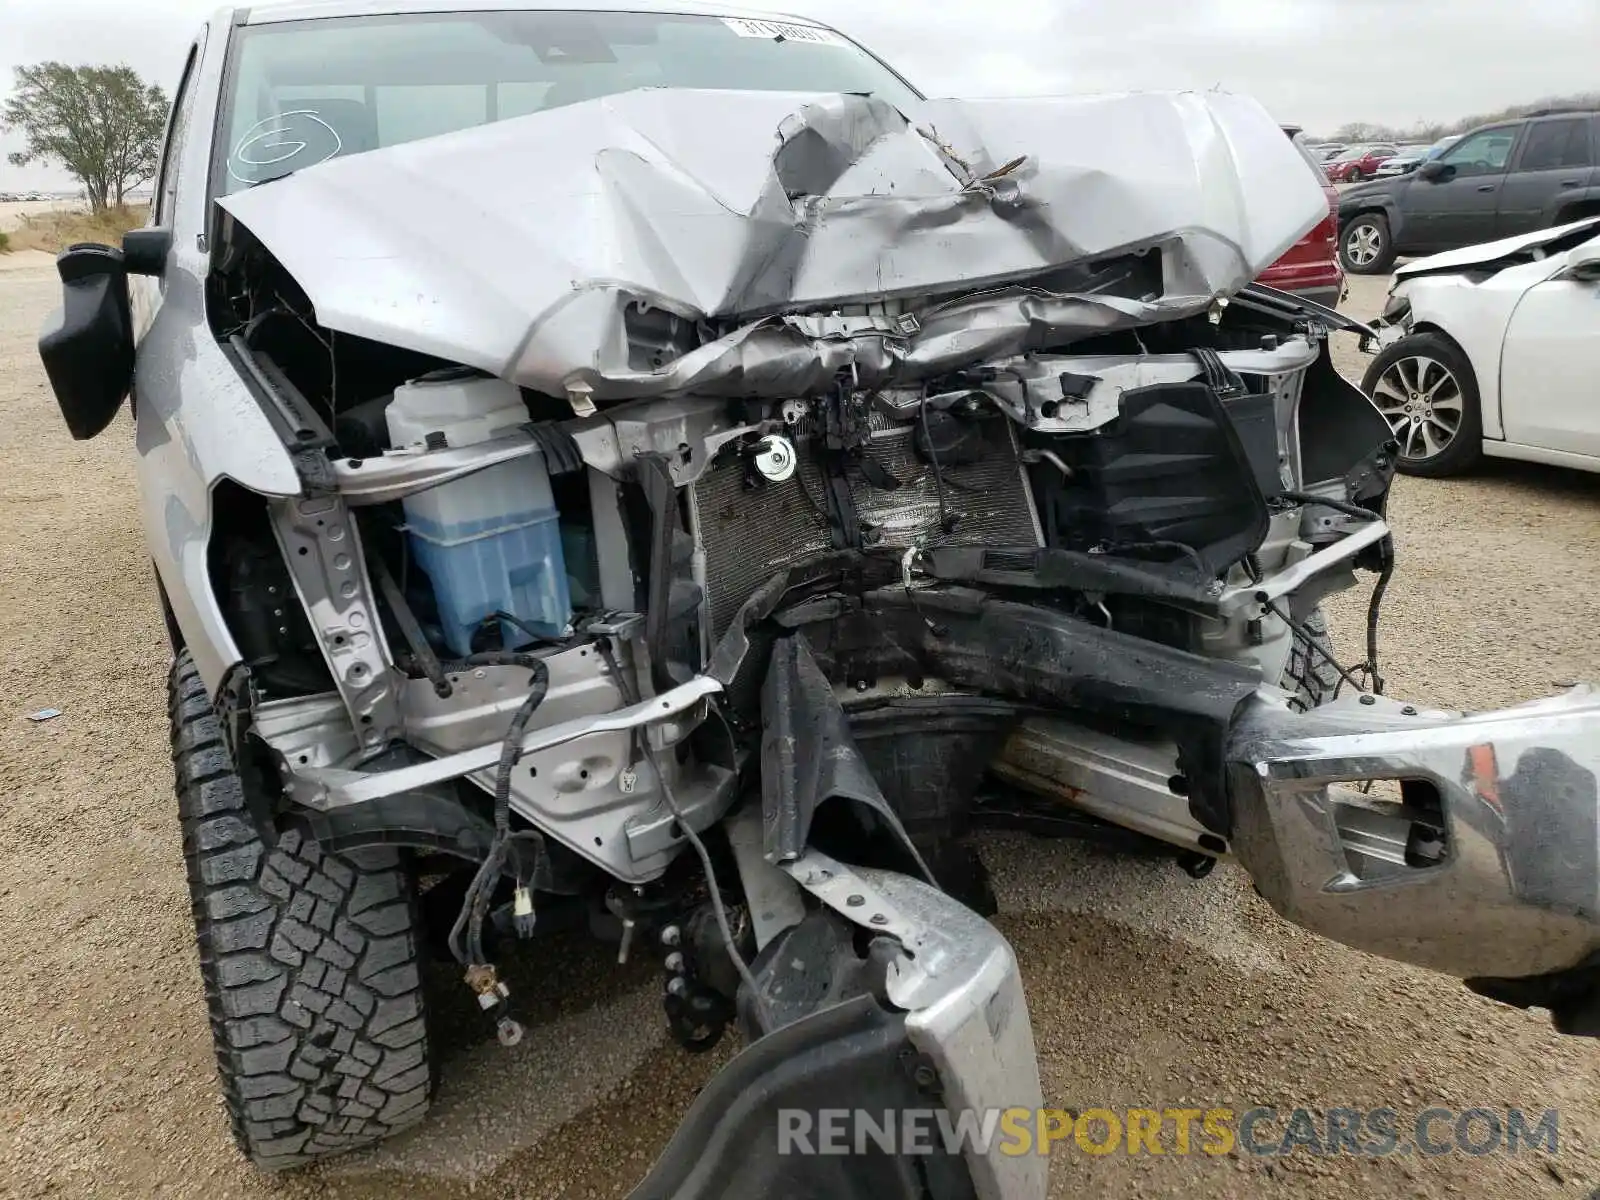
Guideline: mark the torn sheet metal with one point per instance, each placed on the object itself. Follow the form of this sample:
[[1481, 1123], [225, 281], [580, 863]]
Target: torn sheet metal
[[529, 247]]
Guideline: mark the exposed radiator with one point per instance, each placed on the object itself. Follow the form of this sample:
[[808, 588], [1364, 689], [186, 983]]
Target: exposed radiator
[[750, 535]]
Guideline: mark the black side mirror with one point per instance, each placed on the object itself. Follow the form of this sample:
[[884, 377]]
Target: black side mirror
[[144, 251], [1435, 171], [87, 343]]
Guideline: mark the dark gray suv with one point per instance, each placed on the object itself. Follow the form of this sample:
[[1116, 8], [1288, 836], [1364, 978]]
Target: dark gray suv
[[1498, 181]]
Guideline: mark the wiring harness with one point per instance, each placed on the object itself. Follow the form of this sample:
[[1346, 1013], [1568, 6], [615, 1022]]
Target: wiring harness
[[466, 935], [1374, 605]]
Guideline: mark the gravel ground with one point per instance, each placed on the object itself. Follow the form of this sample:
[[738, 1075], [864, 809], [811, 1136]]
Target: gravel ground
[[1147, 989]]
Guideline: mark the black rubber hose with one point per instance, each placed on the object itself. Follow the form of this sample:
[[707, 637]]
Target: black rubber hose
[[1311, 642], [518, 623], [945, 523], [626, 684], [411, 628], [1348, 509], [1374, 609]]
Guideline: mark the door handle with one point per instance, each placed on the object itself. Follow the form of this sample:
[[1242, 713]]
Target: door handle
[[1570, 182], [1486, 187]]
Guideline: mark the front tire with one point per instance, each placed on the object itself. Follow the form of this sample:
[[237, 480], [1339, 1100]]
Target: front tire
[[310, 962], [1426, 389], [1366, 246], [1310, 675]]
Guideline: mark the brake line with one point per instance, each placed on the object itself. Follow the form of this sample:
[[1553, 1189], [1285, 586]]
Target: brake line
[[1301, 631], [717, 906]]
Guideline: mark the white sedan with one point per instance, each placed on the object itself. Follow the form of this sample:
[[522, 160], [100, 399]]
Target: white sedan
[[1495, 349]]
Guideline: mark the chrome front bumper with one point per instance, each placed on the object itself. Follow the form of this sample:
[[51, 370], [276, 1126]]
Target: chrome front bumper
[[1484, 861], [961, 990], [952, 1006]]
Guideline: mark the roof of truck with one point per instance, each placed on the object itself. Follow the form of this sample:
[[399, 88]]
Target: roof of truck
[[305, 10]]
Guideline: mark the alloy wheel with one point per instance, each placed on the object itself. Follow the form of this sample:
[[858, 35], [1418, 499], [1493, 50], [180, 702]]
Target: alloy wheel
[[1421, 399], [1363, 244]]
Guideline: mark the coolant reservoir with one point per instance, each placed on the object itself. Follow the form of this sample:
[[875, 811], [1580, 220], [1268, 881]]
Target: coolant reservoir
[[490, 542]]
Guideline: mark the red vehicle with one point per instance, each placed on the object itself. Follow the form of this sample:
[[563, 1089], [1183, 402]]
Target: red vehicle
[[1359, 162], [1311, 267]]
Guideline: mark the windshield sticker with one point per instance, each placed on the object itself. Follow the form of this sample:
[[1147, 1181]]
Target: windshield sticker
[[782, 31], [291, 140]]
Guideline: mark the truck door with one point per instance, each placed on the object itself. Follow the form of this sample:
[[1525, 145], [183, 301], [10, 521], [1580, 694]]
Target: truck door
[[1555, 157]]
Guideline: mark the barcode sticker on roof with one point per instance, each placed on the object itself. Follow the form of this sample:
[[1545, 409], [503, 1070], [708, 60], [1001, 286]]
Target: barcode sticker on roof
[[781, 30]]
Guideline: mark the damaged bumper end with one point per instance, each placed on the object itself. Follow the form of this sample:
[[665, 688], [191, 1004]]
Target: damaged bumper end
[[854, 1052], [1464, 843]]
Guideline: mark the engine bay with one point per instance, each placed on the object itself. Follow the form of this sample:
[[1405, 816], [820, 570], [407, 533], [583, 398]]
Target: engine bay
[[1141, 482]]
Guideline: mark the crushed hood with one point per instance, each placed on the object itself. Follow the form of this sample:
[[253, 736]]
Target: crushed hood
[[537, 248], [1488, 253]]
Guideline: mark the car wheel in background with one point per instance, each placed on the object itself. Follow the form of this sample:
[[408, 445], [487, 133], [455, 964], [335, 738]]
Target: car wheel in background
[[1424, 387], [1365, 246]]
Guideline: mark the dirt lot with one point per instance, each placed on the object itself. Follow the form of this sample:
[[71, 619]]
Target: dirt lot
[[1146, 988]]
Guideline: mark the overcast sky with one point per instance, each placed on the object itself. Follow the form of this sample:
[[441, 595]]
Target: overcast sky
[[1318, 63]]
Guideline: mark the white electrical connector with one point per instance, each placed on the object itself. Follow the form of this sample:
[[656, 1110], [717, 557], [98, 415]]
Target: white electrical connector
[[522, 915], [496, 995]]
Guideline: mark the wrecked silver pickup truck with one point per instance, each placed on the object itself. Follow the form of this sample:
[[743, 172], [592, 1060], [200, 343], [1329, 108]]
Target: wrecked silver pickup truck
[[654, 466]]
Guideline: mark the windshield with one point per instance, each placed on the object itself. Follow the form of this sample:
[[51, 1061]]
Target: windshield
[[302, 92], [1352, 154]]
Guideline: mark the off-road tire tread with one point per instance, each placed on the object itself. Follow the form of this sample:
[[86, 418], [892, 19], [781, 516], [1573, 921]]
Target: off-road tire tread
[[1309, 675], [310, 963]]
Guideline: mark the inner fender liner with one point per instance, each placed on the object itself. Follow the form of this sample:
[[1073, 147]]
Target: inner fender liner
[[732, 1145], [809, 757], [1340, 430], [930, 754]]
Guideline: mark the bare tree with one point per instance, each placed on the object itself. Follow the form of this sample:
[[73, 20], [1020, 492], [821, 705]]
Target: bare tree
[[1360, 131], [104, 125], [1432, 131]]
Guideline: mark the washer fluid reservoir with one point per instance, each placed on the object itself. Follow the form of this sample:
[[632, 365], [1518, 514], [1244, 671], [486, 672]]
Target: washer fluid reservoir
[[490, 542]]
